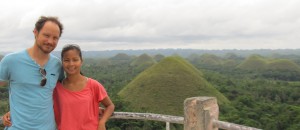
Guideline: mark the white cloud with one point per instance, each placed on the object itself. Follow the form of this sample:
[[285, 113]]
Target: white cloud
[[136, 24]]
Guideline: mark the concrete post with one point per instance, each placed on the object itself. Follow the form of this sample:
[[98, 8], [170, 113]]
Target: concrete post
[[167, 125], [199, 113]]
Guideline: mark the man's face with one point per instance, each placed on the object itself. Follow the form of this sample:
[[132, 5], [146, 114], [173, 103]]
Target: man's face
[[47, 38]]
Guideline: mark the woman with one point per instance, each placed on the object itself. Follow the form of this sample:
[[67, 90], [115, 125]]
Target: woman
[[77, 98]]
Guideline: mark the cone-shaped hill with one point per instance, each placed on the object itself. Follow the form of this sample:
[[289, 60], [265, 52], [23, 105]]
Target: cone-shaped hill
[[208, 60], [260, 64], [120, 58], [158, 57], [280, 69], [253, 63], [283, 65], [163, 87], [143, 59], [142, 62]]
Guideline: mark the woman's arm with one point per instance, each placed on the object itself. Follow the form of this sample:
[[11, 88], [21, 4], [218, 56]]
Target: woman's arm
[[109, 109]]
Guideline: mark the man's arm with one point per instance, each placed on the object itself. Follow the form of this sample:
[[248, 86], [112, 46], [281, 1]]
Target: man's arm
[[5, 119]]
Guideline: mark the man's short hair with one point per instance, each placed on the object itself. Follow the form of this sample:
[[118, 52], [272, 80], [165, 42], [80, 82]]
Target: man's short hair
[[43, 19]]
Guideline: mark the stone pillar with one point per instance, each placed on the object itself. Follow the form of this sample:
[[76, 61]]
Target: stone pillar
[[167, 125], [199, 113]]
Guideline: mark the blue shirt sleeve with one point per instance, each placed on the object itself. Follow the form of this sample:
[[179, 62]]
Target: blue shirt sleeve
[[4, 69]]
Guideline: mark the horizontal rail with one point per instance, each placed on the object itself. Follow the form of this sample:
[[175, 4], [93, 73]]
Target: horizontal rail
[[231, 126], [175, 119], [171, 119], [143, 116], [148, 116]]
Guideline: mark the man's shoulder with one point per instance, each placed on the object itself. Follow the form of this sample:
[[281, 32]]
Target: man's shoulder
[[22, 52], [14, 55], [54, 58]]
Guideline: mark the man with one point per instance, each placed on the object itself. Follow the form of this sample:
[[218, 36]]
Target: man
[[31, 75]]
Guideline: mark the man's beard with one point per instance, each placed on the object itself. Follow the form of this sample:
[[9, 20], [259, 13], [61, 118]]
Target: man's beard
[[44, 50]]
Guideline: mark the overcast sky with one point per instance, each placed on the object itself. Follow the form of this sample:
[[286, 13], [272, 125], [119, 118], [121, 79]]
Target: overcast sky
[[147, 24]]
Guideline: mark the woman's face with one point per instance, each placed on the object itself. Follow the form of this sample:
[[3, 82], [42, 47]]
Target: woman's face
[[71, 62]]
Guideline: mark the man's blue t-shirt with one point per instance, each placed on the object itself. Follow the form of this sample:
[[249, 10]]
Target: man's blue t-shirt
[[31, 105]]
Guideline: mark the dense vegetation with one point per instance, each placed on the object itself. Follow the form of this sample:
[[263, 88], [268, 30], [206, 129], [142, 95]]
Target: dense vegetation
[[267, 96], [264, 92]]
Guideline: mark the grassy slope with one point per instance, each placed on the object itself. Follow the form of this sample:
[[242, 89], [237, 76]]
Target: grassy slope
[[253, 63], [143, 60], [163, 87], [283, 65], [260, 64]]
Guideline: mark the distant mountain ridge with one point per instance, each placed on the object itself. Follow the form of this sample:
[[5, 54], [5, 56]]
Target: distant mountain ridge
[[186, 52], [182, 52]]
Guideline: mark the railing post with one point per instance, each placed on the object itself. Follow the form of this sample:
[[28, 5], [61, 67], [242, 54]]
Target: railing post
[[167, 125], [199, 113]]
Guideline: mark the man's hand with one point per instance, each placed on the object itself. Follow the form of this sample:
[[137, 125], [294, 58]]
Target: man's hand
[[6, 119], [101, 112], [3, 83]]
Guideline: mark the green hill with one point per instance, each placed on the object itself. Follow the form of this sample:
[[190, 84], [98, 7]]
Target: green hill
[[158, 57], [163, 87], [229, 63], [283, 65], [120, 58], [279, 69], [210, 59], [253, 63], [261, 64], [142, 60]]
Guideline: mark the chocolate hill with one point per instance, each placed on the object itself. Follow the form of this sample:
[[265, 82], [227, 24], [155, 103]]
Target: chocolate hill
[[163, 87]]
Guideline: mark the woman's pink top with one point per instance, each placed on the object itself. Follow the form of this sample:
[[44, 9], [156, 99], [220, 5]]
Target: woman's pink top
[[78, 110]]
